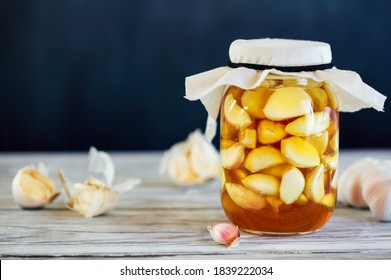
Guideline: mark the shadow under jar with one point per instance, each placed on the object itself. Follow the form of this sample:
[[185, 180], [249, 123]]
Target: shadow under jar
[[279, 151]]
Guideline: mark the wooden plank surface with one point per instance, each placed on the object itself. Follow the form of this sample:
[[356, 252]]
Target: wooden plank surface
[[157, 220]]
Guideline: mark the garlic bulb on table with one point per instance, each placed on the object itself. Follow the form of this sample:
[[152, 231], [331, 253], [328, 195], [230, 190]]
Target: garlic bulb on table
[[376, 190], [349, 186], [190, 162], [367, 183], [32, 188]]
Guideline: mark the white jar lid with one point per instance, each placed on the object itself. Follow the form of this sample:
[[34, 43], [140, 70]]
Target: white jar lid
[[280, 52]]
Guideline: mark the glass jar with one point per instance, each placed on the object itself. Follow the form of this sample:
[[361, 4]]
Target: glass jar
[[279, 151]]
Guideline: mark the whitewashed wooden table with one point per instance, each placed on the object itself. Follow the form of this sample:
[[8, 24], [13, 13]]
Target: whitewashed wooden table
[[156, 220]]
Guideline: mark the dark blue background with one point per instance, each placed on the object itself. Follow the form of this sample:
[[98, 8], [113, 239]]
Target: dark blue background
[[77, 73]]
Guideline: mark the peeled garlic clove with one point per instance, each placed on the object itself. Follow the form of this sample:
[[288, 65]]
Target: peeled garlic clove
[[276, 171], [248, 138], [333, 102], [228, 131], [263, 157], [314, 186], [334, 181], [328, 200], [32, 189], [302, 199], [225, 233], [376, 190], [292, 185], [190, 162], [270, 132], [349, 186], [274, 202], [233, 156], [244, 197], [253, 101], [330, 161], [286, 103], [319, 96], [334, 141], [262, 184], [320, 142], [299, 153], [235, 114], [310, 124]]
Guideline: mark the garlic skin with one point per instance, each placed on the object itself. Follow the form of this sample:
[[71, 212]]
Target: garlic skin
[[101, 162], [376, 190], [31, 188], [350, 186], [190, 162], [92, 198], [225, 233]]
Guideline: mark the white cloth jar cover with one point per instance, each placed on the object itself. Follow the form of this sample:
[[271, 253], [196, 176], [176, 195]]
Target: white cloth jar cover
[[273, 54]]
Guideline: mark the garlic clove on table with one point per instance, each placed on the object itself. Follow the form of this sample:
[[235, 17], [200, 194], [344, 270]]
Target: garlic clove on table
[[92, 198], [31, 188], [225, 233]]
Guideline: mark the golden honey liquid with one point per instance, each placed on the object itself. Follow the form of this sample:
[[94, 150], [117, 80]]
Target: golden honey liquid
[[261, 212]]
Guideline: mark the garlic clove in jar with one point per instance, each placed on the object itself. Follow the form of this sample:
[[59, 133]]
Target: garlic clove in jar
[[270, 132], [292, 185], [276, 171], [33, 189], [248, 138], [233, 156], [299, 153], [328, 200], [262, 184], [286, 103], [319, 96], [314, 186], [320, 142], [376, 190], [253, 101], [235, 114], [349, 185], [333, 101], [245, 198], [330, 161], [263, 157], [311, 124]]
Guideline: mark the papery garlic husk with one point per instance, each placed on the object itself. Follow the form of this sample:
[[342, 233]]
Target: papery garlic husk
[[349, 185], [190, 162], [376, 190], [225, 233], [101, 162], [92, 198], [31, 188]]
